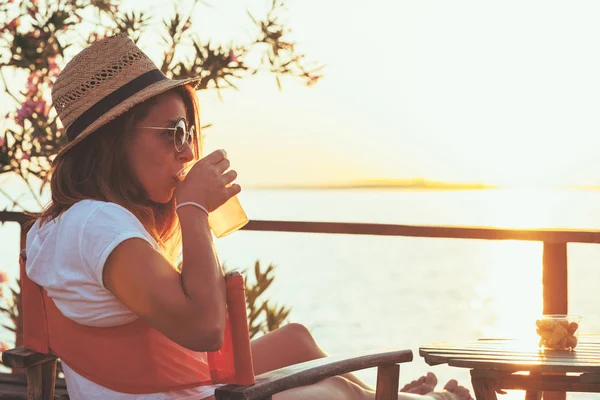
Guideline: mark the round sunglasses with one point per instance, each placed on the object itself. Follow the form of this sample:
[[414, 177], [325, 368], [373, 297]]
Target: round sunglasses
[[181, 135]]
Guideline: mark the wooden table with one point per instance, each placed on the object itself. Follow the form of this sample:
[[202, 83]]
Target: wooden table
[[502, 364]]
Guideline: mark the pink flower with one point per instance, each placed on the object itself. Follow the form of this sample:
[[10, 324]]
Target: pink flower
[[25, 111], [232, 57], [53, 68], [33, 80], [12, 25], [21, 117], [25, 156], [40, 107], [3, 277], [30, 107], [31, 87], [312, 80]]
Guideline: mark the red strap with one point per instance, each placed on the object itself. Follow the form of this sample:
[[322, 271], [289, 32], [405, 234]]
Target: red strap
[[235, 354], [35, 324], [242, 353], [231, 364]]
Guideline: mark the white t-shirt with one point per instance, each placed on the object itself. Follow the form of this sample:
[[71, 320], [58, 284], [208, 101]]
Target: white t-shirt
[[66, 256]]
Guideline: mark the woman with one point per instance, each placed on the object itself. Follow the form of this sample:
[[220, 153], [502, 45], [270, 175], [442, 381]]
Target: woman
[[104, 249]]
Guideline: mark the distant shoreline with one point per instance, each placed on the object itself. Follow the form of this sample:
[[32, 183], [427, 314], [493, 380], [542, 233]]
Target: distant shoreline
[[387, 185], [591, 188], [416, 184]]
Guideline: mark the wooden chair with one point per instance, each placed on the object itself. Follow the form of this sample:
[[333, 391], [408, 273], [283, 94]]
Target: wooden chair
[[41, 375]]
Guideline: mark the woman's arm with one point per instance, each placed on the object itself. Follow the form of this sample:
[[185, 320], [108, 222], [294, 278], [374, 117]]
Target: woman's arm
[[189, 308]]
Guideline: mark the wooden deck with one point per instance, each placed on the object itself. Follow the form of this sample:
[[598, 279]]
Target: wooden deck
[[13, 387]]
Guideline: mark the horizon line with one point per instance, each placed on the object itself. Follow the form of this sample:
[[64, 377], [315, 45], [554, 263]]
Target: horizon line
[[414, 183]]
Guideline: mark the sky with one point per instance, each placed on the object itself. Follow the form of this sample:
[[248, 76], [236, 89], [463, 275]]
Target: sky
[[503, 93]]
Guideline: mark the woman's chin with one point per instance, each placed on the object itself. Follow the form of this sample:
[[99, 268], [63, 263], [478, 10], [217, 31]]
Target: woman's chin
[[163, 198]]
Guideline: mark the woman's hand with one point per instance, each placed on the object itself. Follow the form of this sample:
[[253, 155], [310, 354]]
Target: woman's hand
[[207, 183]]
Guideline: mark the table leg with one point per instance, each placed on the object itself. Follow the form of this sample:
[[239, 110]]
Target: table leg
[[555, 395], [533, 395], [484, 384]]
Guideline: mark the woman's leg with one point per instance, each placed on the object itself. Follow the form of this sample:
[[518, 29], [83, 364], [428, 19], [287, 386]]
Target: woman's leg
[[339, 388], [334, 388], [291, 344]]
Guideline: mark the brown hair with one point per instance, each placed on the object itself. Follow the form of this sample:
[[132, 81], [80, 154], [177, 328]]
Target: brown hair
[[98, 169]]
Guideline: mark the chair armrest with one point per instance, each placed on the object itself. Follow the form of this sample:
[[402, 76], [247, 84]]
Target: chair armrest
[[309, 372], [20, 357]]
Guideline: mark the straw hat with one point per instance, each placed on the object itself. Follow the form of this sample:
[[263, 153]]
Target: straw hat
[[104, 81]]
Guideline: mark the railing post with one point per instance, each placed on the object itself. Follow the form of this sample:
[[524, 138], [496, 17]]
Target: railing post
[[19, 300], [555, 289], [554, 278]]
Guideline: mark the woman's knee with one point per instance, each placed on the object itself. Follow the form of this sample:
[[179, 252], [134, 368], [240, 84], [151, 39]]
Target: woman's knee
[[290, 344], [300, 336], [299, 333]]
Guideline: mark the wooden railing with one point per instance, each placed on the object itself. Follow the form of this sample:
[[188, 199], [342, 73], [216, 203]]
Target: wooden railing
[[554, 260]]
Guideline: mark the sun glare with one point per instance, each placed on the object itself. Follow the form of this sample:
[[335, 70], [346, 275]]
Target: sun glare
[[514, 287]]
